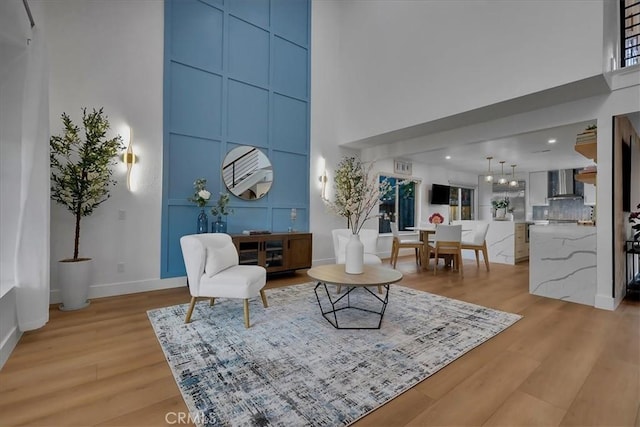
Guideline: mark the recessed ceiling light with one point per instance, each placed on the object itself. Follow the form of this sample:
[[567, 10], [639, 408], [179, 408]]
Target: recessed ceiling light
[[552, 141], [447, 157]]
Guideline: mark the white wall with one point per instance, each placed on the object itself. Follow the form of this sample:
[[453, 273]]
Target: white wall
[[110, 54], [407, 62], [107, 53]]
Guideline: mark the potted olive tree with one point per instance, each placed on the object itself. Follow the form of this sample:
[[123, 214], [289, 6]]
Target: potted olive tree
[[80, 179]]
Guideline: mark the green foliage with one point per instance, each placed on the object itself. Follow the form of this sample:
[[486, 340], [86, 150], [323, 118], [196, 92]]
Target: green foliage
[[634, 219], [500, 203], [357, 192], [220, 208], [81, 167]]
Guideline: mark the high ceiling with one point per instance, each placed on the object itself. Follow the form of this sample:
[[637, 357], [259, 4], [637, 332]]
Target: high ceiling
[[530, 152]]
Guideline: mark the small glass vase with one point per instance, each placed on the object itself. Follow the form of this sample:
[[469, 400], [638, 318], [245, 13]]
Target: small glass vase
[[219, 226], [203, 222]]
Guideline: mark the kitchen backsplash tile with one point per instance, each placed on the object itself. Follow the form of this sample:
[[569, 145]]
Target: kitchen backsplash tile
[[564, 209]]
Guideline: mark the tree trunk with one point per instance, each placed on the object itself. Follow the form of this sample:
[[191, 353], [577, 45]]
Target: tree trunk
[[77, 237]]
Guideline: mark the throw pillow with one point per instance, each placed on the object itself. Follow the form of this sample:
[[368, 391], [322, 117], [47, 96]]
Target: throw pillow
[[219, 259]]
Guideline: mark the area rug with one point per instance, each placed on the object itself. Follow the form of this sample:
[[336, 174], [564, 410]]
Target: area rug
[[293, 368]]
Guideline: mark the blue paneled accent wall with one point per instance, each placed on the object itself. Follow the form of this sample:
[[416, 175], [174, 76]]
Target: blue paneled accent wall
[[236, 72]]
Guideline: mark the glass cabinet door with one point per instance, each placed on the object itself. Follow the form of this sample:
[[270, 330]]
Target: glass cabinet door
[[274, 253], [248, 252]]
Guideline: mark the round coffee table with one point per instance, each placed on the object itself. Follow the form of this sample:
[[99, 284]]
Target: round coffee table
[[334, 274]]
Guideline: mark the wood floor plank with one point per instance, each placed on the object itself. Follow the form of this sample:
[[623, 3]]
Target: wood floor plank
[[128, 399], [561, 375], [398, 412], [522, 409], [103, 365], [169, 412], [618, 407], [483, 393]]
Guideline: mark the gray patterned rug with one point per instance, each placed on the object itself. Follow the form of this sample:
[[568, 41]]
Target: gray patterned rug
[[292, 368]]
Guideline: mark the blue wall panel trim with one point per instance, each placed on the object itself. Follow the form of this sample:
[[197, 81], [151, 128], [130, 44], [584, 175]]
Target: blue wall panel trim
[[254, 11], [248, 52], [289, 19], [182, 220], [290, 127], [186, 155], [196, 102], [282, 219], [197, 35], [216, 3], [236, 72], [247, 114], [249, 218], [290, 177], [290, 72]]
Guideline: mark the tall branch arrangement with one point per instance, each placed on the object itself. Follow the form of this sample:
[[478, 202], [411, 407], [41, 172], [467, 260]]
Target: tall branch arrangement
[[357, 192], [81, 168]]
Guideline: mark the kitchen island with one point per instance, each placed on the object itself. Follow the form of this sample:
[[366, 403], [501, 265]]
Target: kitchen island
[[562, 262], [506, 240]]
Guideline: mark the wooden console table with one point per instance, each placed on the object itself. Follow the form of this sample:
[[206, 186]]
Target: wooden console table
[[277, 252]]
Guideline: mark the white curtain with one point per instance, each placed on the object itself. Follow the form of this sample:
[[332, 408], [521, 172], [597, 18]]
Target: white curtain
[[31, 274]]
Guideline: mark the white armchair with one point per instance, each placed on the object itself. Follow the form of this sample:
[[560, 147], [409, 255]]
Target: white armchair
[[211, 260]]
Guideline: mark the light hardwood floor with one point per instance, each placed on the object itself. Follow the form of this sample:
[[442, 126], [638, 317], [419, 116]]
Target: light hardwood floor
[[562, 364]]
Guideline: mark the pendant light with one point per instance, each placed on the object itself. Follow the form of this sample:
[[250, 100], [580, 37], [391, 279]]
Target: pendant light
[[514, 181], [502, 179], [489, 177]]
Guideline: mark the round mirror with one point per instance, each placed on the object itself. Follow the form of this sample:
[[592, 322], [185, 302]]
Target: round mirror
[[247, 172]]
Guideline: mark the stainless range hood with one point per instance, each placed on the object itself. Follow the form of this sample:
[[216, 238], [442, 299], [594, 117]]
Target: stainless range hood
[[561, 185]]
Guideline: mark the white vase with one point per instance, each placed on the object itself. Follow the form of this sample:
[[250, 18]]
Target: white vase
[[74, 278], [500, 213], [354, 255]]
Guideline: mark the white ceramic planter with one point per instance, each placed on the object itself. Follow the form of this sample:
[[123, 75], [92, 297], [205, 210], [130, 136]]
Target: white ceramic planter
[[74, 279]]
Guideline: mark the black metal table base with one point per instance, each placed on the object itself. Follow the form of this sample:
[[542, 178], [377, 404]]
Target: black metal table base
[[331, 315]]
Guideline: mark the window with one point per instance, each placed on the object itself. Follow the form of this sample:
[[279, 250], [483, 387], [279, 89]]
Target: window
[[630, 29], [461, 203], [399, 204]]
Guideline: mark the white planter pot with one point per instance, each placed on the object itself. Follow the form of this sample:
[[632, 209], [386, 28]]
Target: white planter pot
[[354, 255], [500, 213], [74, 279]]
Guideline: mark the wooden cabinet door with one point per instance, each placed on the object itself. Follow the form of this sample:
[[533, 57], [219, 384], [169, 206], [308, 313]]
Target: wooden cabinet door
[[298, 251]]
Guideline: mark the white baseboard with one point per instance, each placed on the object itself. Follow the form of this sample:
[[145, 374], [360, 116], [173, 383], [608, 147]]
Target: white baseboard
[[124, 288], [606, 302], [8, 344]]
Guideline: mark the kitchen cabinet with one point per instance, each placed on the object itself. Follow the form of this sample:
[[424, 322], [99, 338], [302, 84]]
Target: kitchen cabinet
[[521, 249], [538, 188], [277, 252], [588, 147]]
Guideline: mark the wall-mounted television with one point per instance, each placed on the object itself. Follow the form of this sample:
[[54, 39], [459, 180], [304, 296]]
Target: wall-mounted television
[[440, 194]]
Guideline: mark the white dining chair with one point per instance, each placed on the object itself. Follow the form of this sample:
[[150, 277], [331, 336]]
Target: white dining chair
[[399, 243], [447, 242], [478, 242]]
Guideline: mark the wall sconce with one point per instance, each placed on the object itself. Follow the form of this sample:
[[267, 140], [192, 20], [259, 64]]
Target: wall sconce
[[514, 181], [129, 159], [489, 177], [502, 179], [323, 181]]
